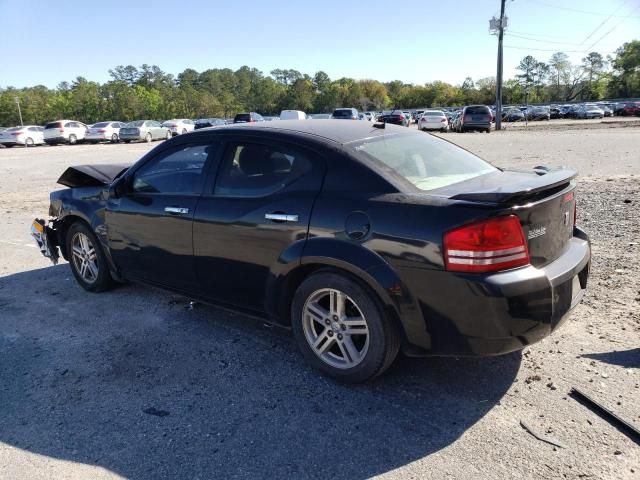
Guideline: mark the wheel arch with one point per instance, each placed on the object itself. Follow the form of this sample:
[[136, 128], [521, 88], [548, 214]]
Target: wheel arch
[[361, 265]]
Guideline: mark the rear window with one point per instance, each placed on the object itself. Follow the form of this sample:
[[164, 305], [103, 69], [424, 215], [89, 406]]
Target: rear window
[[424, 162], [137, 123], [52, 125], [342, 113], [242, 117], [13, 129], [100, 125], [434, 114], [479, 110]]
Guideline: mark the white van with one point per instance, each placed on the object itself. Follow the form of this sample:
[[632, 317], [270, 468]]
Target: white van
[[292, 115]]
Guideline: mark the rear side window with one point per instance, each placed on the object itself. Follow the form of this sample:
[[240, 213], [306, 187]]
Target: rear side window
[[424, 162], [100, 125], [52, 125], [255, 170], [178, 171]]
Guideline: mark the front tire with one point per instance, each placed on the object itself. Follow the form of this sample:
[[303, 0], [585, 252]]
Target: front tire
[[86, 259], [341, 329]]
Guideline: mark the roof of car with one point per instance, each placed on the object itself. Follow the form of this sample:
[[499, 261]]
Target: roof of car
[[339, 131]]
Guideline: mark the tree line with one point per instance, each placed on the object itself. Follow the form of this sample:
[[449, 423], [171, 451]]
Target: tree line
[[150, 93]]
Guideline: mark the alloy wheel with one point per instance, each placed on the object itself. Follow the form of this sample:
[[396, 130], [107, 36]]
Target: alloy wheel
[[84, 257], [335, 328]]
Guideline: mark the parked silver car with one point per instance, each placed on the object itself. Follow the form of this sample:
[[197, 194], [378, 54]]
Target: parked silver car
[[103, 131], [146, 130]]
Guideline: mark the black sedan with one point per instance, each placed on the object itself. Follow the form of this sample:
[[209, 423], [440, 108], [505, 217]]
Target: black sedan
[[363, 239]]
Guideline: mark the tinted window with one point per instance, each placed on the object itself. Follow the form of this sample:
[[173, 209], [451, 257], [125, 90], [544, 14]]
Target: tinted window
[[479, 110], [52, 125], [347, 113], [178, 171], [425, 161], [242, 117], [69, 125], [253, 170]]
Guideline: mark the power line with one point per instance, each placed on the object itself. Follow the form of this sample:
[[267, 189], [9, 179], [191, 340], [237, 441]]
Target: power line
[[601, 24], [542, 41], [537, 34], [577, 10], [549, 49], [612, 29]]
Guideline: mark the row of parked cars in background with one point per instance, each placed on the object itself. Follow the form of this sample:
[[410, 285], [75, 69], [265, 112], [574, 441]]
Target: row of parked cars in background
[[471, 117]]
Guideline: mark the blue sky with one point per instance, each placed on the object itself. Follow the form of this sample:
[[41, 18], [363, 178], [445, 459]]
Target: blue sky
[[46, 42]]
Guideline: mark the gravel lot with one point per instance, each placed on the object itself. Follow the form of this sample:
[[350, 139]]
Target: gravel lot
[[132, 383]]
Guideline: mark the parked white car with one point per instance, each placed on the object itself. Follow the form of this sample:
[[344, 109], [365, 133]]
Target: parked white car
[[64, 131], [179, 126], [104, 131], [292, 115], [28, 135], [433, 120]]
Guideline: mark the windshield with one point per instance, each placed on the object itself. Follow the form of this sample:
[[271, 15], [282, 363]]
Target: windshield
[[425, 161], [137, 123]]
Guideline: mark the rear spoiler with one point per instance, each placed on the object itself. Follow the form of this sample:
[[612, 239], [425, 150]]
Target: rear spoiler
[[523, 187], [91, 175]]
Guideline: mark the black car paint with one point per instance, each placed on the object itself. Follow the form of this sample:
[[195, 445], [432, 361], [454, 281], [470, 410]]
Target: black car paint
[[387, 239]]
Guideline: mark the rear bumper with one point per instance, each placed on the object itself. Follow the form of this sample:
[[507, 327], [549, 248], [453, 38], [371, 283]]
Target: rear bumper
[[55, 140], [433, 125], [132, 137], [493, 314], [475, 126]]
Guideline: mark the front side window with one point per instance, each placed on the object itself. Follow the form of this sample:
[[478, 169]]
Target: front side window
[[424, 161], [254, 170], [178, 171]]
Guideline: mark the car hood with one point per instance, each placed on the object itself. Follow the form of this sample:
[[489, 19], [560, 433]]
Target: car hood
[[91, 175]]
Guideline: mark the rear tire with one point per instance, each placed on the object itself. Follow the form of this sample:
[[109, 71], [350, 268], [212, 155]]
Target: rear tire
[[168, 136], [72, 139], [86, 259], [354, 340], [148, 138], [28, 142], [184, 130], [114, 138]]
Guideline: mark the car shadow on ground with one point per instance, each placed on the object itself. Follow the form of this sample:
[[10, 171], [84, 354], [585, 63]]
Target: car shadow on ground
[[624, 358], [135, 381]]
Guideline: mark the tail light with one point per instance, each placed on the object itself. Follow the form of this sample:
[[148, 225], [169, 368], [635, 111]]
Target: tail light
[[102, 130], [61, 130], [401, 117], [250, 120], [466, 118], [486, 246], [443, 120], [17, 133]]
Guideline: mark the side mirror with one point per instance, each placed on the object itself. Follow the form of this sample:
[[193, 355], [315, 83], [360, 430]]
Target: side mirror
[[118, 188]]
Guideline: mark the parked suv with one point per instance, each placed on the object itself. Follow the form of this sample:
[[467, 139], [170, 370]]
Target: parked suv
[[64, 131], [248, 118], [345, 114], [474, 117]]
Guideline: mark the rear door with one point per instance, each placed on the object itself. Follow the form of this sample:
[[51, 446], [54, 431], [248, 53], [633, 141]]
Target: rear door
[[150, 226], [259, 206]]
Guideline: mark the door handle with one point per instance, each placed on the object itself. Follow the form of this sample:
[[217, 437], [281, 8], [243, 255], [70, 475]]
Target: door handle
[[176, 210], [281, 217]]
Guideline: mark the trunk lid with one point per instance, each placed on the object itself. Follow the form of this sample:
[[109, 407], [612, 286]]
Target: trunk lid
[[543, 201]]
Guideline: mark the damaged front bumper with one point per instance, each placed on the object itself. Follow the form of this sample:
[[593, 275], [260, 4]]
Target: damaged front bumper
[[45, 237]]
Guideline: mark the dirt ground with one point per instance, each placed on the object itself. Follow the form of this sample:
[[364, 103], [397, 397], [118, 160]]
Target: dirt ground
[[133, 383]]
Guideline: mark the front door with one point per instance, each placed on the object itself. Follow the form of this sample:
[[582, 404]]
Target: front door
[[259, 206], [150, 225]]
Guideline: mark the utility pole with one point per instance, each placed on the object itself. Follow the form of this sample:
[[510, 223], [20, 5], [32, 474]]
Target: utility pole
[[498, 26], [17, 99]]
